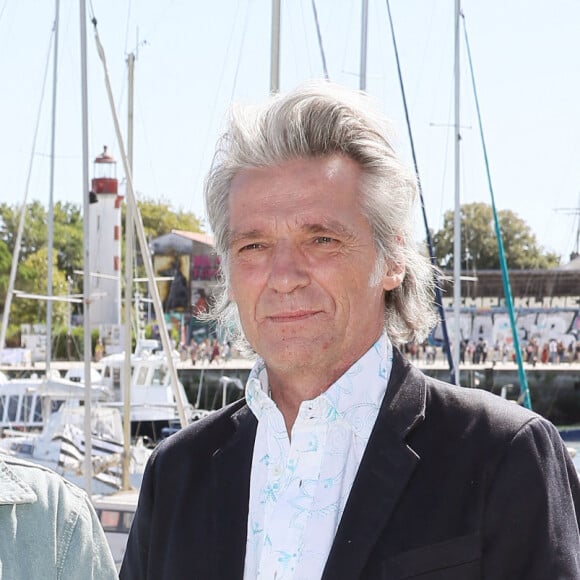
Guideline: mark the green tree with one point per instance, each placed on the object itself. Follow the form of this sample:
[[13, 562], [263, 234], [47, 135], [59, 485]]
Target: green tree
[[5, 262], [34, 233], [68, 237], [160, 218], [479, 242], [31, 278]]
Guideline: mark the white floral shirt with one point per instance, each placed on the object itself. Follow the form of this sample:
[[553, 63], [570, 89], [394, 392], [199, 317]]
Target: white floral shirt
[[298, 488]]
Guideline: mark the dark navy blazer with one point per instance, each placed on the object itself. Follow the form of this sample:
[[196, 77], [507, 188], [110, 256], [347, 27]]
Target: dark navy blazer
[[455, 484]]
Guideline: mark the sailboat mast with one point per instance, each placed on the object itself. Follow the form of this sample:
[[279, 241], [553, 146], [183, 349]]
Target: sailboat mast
[[88, 467], [457, 212], [130, 107], [363, 45], [141, 238], [50, 240], [129, 250], [275, 49]]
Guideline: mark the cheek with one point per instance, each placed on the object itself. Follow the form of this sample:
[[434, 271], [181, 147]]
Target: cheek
[[237, 283], [366, 299], [352, 298], [244, 294]]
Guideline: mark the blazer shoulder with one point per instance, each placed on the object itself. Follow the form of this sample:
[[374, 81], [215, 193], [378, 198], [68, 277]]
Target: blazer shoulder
[[473, 409], [418, 405], [206, 434]]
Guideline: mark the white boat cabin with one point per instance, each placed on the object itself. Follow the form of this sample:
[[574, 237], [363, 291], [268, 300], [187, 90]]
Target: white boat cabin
[[28, 403], [116, 513]]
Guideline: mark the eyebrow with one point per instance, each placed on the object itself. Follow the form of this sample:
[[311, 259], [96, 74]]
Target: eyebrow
[[331, 227], [237, 237]]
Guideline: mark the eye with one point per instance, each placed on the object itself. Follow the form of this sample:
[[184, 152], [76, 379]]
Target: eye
[[253, 246], [324, 240]]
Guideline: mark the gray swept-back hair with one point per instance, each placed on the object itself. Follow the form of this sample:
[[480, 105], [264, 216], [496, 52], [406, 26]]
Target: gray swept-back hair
[[320, 119]]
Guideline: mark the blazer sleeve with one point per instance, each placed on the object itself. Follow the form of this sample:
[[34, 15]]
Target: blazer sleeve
[[135, 560], [531, 517]]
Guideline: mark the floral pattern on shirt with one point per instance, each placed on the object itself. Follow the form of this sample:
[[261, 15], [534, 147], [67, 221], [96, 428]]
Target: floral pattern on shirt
[[298, 488]]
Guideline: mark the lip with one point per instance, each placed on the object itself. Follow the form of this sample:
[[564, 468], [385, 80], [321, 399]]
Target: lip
[[295, 316]]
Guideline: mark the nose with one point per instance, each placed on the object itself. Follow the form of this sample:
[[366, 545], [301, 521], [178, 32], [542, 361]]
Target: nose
[[288, 268]]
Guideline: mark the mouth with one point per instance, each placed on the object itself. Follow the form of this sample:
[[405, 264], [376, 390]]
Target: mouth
[[294, 316]]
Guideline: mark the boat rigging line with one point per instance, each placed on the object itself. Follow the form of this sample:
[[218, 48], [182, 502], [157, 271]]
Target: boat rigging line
[[524, 389], [238, 62], [574, 211], [50, 237], [20, 229], [138, 223], [438, 297], [320, 45]]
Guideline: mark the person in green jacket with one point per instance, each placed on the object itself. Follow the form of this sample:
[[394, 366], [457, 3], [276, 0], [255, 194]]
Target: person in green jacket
[[48, 527]]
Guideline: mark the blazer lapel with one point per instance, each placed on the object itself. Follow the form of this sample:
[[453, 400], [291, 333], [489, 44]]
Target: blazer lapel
[[231, 483], [382, 476]]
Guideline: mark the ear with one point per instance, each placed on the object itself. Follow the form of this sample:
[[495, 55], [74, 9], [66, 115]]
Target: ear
[[393, 277]]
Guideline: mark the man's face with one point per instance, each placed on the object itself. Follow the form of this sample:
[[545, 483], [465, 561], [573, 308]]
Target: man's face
[[301, 260]]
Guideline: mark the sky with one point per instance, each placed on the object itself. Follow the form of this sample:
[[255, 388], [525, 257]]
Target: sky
[[194, 57]]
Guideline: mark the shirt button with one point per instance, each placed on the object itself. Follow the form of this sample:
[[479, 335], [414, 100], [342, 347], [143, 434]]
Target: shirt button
[[277, 470]]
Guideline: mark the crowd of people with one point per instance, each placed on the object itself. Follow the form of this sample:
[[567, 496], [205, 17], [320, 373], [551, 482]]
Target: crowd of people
[[212, 351], [206, 352], [481, 352], [553, 352]]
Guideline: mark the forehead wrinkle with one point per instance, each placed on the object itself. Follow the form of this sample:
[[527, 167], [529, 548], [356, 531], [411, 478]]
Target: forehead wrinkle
[[327, 227], [237, 236]]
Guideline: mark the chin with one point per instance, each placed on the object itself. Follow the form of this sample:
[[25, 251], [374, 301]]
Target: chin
[[295, 352]]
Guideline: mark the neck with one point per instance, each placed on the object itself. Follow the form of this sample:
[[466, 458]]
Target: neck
[[289, 390]]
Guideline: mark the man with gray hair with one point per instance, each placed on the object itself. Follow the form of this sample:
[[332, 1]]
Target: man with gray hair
[[343, 461]]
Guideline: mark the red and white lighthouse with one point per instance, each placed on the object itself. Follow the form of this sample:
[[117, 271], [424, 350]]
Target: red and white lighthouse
[[105, 243]]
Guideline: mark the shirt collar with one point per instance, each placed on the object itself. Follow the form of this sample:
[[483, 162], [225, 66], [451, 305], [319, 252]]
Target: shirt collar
[[13, 489], [365, 382]]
